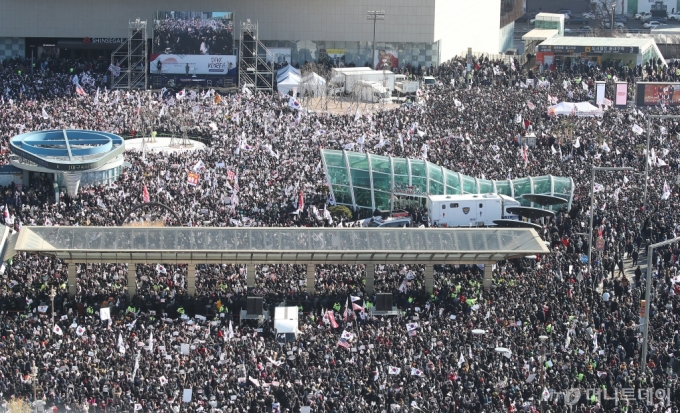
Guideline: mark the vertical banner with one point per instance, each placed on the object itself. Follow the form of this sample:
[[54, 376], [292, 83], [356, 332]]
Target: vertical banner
[[599, 95], [621, 94]]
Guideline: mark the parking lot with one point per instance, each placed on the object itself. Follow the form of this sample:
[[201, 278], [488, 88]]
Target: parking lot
[[594, 27]]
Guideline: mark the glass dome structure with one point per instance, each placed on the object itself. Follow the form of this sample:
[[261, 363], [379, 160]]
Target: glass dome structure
[[368, 181]]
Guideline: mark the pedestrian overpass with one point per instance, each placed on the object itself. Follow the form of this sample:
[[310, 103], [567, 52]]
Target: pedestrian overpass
[[271, 245]]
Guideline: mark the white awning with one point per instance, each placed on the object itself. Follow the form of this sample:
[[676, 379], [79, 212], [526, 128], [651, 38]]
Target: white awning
[[539, 34]]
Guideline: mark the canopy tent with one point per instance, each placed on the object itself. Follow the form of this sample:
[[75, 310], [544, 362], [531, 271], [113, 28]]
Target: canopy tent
[[576, 109], [287, 84], [286, 320], [285, 71], [312, 85]]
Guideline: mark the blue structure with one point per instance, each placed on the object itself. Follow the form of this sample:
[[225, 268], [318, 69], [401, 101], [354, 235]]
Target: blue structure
[[69, 157]]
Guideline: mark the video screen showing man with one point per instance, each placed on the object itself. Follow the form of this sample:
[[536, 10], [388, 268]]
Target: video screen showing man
[[193, 33], [386, 57]]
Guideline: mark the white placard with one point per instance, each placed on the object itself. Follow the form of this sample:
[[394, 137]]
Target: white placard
[[186, 397], [105, 313], [185, 349]]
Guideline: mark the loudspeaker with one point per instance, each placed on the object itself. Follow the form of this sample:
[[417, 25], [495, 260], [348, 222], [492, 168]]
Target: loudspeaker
[[383, 302], [254, 306]]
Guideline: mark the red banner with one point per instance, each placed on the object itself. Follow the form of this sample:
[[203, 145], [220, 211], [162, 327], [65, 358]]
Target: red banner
[[192, 178], [331, 318]]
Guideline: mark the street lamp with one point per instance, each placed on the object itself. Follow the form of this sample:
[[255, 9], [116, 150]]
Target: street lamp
[[34, 379], [53, 293], [648, 291], [592, 212], [543, 339], [374, 15]]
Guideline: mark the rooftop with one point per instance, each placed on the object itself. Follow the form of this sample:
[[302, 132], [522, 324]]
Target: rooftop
[[68, 149], [598, 41], [276, 245]]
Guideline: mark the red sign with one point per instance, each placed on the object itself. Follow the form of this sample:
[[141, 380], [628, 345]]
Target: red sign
[[192, 178]]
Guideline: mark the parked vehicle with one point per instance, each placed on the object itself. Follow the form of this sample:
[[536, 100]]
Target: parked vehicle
[[652, 24], [577, 20], [470, 209], [378, 222], [675, 17]]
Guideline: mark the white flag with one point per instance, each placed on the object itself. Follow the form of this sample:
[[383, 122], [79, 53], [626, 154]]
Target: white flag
[[121, 344], [44, 114], [666, 191], [461, 360], [637, 129], [230, 332], [151, 342]]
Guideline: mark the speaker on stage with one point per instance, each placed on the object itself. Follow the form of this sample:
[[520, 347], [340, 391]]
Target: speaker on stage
[[254, 306], [383, 302]]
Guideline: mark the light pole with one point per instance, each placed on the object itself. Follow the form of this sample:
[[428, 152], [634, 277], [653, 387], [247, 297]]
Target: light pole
[[34, 379], [592, 212], [53, 293], [543, 339], [542, 378], [374, 15], [648, 291], [649, 127]]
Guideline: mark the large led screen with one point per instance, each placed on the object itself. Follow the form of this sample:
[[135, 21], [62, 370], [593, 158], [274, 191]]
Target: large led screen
[[192, 43], [657, 94]]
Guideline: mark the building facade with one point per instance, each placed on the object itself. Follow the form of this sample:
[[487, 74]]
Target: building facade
[[423, 33]]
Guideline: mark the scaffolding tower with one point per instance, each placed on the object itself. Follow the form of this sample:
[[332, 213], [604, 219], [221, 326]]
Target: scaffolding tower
[[130, 59], [254, 71]]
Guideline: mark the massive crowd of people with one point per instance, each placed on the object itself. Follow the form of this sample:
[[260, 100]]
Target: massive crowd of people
[[163, 345], [193, 36]]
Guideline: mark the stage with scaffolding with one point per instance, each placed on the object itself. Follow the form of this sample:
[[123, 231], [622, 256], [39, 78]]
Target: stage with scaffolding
[[130, 60], [255, 68]]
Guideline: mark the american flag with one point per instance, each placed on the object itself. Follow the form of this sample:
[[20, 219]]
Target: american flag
[[343, 343], [412, 333], [230, 175], [80, 91]]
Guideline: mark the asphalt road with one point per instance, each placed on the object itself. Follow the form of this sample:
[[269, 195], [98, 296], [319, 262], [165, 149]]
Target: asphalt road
[[522, 28]]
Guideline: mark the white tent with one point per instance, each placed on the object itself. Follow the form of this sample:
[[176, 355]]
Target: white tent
[[312, 84], [286, 85], [285, 71], [576, 109], [286, 320]]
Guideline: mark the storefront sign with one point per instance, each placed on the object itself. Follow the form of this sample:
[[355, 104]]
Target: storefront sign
[[103, 40], [568, 49]]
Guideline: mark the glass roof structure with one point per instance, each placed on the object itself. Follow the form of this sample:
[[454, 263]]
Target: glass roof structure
[[276, 245], [367, 181]]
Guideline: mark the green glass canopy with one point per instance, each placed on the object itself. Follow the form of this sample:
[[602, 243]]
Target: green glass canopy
[[368, 181]]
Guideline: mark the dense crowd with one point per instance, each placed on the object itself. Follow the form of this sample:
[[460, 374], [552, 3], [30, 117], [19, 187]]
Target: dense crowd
[[197, 36], [162, 342]]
